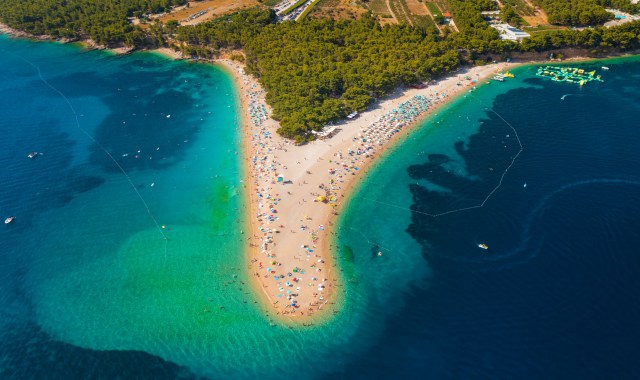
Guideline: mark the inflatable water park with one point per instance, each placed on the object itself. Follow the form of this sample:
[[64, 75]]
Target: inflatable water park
[[568, 74]]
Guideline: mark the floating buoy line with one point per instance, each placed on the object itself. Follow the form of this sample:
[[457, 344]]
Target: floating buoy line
[[97, 143]]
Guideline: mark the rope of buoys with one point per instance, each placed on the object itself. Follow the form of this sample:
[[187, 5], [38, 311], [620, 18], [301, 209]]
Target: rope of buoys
[[513, 160], [88, 135]]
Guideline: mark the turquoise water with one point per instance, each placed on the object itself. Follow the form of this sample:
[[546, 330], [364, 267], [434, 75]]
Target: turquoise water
[[135, 149], [125, 258], [90, 287], [553, 295]]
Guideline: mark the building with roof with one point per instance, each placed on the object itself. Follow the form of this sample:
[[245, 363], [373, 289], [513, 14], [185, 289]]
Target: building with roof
[[508, 32]]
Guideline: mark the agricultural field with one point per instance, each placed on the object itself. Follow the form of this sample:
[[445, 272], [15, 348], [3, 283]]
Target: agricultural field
[[412, 12], [531, 14], [442, 5], [418, 13], [417, 7], [337, 10], [380, 9], [438, 8], [400, 11], [433, 9]]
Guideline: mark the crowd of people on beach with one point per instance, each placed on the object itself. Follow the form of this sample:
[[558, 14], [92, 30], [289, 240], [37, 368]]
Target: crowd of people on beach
[[305, 274], [374, 136], [382, 130], [268, 188]]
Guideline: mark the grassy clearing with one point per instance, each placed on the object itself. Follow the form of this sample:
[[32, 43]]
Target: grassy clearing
[[423, 21], [443, 5], [433, 9], [521, 7], [543, 28], [309, 9]]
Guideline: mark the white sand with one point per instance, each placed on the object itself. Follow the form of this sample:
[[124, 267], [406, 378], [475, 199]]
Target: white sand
[[300, 249]]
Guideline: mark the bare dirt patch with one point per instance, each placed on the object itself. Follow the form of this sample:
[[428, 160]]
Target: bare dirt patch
[[540, 17], [338, 10], [417, 8], [209, 9]]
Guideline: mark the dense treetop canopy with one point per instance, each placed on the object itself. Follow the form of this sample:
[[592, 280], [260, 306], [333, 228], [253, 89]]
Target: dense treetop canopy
[[104, 21], [623, 5], [575, 12], [318, 71]]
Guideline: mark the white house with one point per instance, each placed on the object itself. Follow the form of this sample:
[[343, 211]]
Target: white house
[[508, 32]]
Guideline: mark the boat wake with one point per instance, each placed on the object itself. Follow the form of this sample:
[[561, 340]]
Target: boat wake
[[528, 248]]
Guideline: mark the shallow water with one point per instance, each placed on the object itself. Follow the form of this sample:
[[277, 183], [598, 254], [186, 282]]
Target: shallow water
[[136, 149], [553, 296], [90, 288]]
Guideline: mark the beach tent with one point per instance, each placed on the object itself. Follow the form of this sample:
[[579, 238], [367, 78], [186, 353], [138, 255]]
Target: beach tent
[[280, 177]]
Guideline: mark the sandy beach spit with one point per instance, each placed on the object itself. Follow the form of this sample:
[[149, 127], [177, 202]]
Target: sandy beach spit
[[295, 192]]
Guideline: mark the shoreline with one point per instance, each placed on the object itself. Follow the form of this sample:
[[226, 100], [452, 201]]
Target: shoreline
[[316, 155], [245, 84], [232, 70], [280, 251], [86, 43], [278, 254]]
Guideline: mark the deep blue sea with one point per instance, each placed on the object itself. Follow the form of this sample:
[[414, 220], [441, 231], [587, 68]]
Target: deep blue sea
[[556, 294], [139, 148]]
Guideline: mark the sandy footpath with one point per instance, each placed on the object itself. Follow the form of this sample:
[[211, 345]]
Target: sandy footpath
[[294, 192]]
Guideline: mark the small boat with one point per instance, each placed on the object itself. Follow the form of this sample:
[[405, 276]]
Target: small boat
[[483, 246], [605, 68], [9, 219], [508, 74], [33, 154]]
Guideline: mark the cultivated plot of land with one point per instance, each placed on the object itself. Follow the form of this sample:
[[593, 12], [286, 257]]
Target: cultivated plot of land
[[205, 10], [412, 12], [380, 8], [337, 10], [418, 13], [442, 5], [417, 7], [436, 9], [400, 11], [433, 9]]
